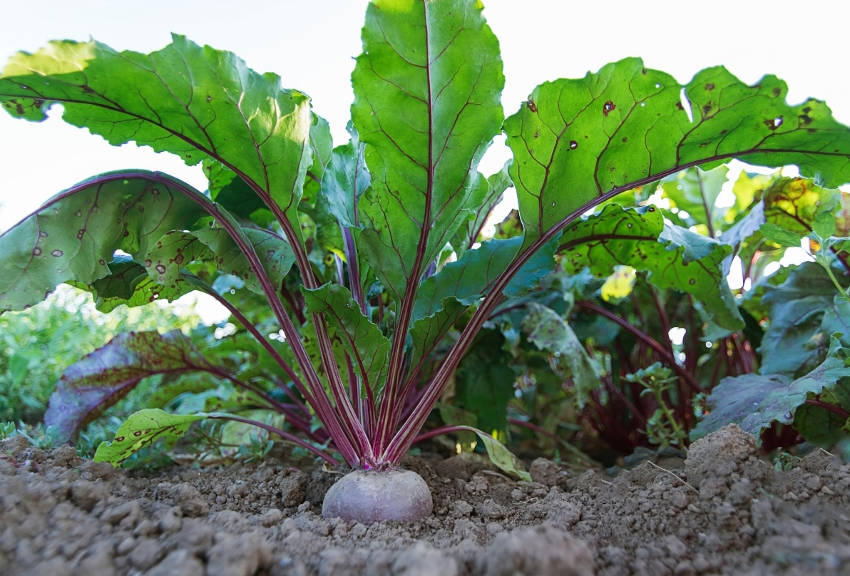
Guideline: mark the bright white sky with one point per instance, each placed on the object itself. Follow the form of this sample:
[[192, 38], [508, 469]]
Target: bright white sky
[[311, 45]]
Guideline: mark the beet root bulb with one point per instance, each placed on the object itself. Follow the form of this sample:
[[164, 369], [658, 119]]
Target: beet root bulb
[[369, 496]]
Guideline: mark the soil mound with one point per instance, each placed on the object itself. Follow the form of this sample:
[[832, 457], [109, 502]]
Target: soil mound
[[723, 510]]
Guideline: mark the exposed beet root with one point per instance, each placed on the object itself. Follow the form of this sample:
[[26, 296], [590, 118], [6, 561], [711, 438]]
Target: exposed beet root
[[369, 496]]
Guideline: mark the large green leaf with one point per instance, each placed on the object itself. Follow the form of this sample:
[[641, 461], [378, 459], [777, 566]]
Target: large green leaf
[[194, 101], [73, 236], [673, 256], [427, 102], [754, 401], [359, 337], [795, 204], [577, 141], [102, 378]]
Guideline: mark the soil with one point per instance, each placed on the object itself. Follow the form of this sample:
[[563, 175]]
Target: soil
[[723, 510]]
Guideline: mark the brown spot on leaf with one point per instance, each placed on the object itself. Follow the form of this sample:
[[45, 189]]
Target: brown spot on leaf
[[57, 253], [709, 86], [609, 106], [706, 110], [776, 91], [36, 251], [160, 268], [773, 123], [80, 233], [531, 105], [805, 119], [573, 144]]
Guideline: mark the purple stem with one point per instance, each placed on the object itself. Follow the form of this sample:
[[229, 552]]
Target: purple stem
[[389, 411], [249, 326], [408, 430], [285, 435], [320, 403], [353, 269]]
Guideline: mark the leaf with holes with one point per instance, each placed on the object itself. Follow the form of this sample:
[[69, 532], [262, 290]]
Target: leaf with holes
[[674, 257], [577, 142], [142, 429], [73, 236], [549, 331]]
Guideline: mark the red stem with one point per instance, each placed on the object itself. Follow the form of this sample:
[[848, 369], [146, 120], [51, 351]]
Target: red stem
[[646, 339], [835, 409], [285, 435]]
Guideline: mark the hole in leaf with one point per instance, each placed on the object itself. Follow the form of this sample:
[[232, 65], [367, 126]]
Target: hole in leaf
[[773, 123]]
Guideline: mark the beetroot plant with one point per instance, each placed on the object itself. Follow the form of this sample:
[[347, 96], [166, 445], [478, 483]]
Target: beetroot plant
[[369, 256]]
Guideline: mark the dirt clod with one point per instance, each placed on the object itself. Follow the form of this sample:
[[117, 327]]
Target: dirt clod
[[538, 551]]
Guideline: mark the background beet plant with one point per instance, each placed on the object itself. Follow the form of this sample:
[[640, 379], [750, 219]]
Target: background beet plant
[[369, 256]]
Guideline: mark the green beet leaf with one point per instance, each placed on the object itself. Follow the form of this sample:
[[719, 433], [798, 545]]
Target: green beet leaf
[[468, 279], [696, 191], [345, 180], [673, 256], [193, 101], [755, 401], [499, 455], [549, 331], [576, 142], [142, 429], [366, 345], [484, 383], [794, 341], [427, 102], [73, 236], [102, 378]]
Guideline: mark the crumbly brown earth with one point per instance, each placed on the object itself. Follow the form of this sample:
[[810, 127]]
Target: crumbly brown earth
[[724, 510]]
